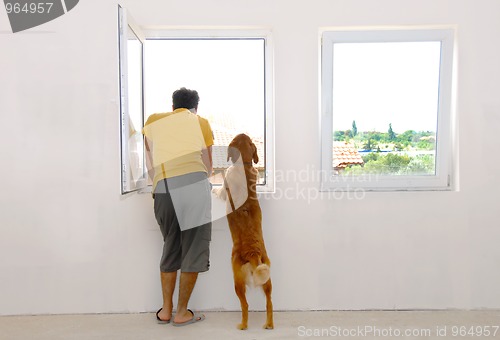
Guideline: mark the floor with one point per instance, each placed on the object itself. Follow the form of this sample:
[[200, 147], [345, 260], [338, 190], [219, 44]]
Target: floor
[[288, 325]]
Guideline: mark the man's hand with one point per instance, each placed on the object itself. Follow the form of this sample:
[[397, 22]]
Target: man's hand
[[149, 158]]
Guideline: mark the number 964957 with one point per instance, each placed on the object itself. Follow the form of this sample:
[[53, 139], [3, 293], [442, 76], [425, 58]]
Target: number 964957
[[33, 7]]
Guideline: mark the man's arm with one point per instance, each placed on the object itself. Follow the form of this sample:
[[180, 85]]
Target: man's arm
[[149, 158], [206, 157]]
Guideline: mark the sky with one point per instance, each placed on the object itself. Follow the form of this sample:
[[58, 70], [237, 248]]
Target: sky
[[375, 84], [380, 83], [228, 75]]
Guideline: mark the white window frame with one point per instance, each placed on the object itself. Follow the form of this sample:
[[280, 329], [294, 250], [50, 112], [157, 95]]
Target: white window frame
[[209, 33], [125, 22], [443, 178]]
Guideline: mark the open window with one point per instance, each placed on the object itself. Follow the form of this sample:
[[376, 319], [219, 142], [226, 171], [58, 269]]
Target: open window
[[228, 69], [231, 70]]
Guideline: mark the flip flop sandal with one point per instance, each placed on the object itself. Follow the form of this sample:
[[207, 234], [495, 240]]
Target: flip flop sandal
[[160, 321], [197, 317]]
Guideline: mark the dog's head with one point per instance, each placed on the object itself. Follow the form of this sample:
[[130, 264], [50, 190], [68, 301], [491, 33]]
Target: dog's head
[[242, 145]]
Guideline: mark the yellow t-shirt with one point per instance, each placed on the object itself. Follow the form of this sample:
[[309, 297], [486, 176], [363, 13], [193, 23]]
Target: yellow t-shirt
[[177, 141]]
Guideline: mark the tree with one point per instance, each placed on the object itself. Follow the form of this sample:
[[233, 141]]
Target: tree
[[339, 135], [369, 144], [406, 137], [354, 128], [396, 163], [422, 165], [372, 156], [398, 146], [392, 135], [377, 136]]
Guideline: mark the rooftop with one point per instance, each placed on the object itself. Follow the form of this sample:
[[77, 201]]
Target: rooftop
[[222, 138], [345, 154]]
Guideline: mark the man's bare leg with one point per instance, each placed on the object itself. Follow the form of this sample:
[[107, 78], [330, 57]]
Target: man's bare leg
[[167, 288], [186, 286]]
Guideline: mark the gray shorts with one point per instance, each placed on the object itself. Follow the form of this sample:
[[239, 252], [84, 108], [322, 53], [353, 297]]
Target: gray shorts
[[187, 250]]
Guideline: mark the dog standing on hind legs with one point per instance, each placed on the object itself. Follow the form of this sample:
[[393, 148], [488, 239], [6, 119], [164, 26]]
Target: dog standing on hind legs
[[251, 265]]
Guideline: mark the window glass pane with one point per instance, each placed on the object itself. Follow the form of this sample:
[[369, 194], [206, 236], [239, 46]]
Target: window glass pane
[[385, 107], [135, 108], [229, 76]]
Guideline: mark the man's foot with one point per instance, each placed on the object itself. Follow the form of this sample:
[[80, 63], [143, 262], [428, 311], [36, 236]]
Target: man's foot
[[163, 316], [188, 318]]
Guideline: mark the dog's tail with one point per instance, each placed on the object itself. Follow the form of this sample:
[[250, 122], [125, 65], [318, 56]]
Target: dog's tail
[[258, 273], [261, 274]]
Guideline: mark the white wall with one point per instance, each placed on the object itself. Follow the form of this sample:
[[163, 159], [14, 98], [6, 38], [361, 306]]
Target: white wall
[[69, 243]]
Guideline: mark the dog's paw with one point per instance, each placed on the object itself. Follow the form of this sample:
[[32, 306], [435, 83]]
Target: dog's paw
[[268, 326], [242, 326], [218, 192]]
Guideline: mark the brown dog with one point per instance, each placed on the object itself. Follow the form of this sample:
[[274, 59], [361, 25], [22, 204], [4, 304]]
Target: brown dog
[[251, 265]]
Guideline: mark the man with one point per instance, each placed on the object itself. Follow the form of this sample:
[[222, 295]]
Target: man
[[179, 159]]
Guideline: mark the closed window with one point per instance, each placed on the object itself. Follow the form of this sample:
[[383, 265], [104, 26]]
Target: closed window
[[386, 109]]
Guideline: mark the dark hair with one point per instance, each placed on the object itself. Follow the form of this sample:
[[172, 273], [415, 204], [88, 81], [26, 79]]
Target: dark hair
[[185, 98]]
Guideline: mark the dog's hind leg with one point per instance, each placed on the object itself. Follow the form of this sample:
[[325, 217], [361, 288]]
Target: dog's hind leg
[[268, 288], [240, 288]]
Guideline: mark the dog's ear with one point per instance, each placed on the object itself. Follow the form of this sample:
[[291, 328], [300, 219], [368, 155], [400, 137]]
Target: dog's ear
[[232, 153], [255, 156]]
